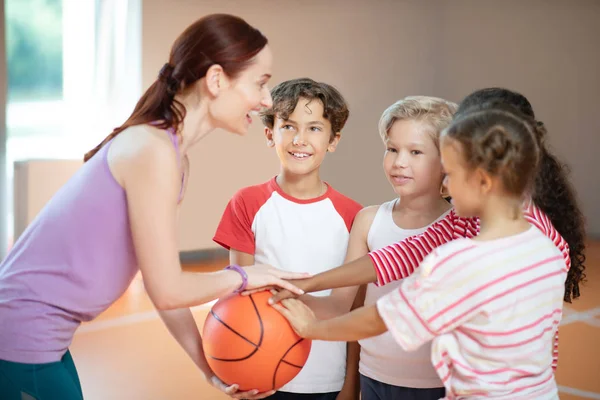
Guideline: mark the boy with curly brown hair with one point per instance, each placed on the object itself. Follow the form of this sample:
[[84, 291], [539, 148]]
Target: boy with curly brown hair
[[296, 221]]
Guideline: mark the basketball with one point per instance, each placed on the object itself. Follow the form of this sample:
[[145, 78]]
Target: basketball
[[249, 343]]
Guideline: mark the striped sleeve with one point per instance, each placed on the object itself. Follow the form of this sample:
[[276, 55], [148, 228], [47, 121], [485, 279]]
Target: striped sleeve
[[412, 313], [399, 260], [540, 220]]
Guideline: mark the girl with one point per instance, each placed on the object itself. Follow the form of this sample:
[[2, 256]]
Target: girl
[[491, 304], [552, 192], [118, 214]]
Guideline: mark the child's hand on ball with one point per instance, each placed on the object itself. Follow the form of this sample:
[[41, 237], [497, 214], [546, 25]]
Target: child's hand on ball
[[279, 295], [233, 392], [299, 315]]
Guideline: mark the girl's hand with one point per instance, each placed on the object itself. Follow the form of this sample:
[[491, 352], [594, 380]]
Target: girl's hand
[[300, 316], [282, 295]]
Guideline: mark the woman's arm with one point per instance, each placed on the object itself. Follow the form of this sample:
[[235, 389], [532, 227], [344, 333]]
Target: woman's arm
[[152, 179], [183, 328]]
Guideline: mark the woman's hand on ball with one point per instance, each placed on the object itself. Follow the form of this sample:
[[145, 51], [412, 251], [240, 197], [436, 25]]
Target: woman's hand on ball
[[299, 315], [261, 277], [233, 392]]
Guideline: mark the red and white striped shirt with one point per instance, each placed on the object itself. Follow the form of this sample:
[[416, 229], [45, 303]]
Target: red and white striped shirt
[[492, 309], [400, 260]]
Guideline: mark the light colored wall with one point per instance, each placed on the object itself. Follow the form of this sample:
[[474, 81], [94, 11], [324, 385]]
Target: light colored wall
[[352, 45], [376, 52], [549, 51]]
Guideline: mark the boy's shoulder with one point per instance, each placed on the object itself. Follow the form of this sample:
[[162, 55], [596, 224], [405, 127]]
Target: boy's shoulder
[[346, 207], [254, 193], [342, 199]]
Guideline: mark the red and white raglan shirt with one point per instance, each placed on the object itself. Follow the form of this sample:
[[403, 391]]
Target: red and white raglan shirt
[[400, 260], [300, 236], [491, 310]]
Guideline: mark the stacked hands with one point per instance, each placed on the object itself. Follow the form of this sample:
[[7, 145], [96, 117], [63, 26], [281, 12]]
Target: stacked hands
[[284, 300]]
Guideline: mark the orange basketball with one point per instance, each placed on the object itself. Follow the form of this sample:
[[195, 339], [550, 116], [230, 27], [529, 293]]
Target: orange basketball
[[249, 343]]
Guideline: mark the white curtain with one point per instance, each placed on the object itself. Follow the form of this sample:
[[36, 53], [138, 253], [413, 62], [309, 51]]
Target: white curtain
[[117, 73]]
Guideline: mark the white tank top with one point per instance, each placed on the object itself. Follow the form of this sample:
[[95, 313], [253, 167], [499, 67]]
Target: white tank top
[[381, 358]]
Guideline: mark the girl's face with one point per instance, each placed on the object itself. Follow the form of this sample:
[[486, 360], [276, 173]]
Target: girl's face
[[461, 182]]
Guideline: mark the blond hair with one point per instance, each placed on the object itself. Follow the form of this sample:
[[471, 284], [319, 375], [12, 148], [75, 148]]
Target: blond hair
[[434, 111]]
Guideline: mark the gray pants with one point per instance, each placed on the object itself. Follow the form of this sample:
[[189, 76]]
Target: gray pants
[[371, 389]]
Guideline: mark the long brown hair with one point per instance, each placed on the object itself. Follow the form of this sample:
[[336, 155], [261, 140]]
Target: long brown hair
[[552, 193], [221, 39]]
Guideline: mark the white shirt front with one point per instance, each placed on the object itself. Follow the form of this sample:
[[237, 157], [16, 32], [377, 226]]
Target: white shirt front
[[381, 358], [300, 236]]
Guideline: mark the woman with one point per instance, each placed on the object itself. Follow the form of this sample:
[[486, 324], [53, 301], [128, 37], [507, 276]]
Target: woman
[[118, 213]]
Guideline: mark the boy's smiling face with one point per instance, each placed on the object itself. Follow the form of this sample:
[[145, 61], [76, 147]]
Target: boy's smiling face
[[303, 139]]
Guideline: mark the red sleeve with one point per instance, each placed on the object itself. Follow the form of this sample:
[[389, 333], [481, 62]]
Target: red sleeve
[[399, 260], [235, 228], [346, 207]]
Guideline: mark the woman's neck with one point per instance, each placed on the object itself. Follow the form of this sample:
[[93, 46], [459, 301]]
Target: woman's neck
[[196, 124]]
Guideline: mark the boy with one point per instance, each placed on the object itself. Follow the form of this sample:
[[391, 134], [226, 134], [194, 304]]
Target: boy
[[295, 220]]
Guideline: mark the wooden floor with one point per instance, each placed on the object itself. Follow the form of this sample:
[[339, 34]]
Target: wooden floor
[[127, 354]]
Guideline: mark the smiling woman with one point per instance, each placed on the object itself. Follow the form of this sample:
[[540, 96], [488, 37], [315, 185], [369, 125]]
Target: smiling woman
[[122, 216]]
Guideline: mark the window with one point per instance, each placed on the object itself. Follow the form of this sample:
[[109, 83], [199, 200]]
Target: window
[[74, 72], [34, 50]]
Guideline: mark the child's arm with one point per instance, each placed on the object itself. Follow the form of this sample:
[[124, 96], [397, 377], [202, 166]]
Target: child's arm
[[340, 300], [399, 261], [407, 312], [390, 263], [362, 323], [322, 306]]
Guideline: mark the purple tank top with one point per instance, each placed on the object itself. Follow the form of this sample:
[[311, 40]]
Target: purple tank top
[[72, 262]]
